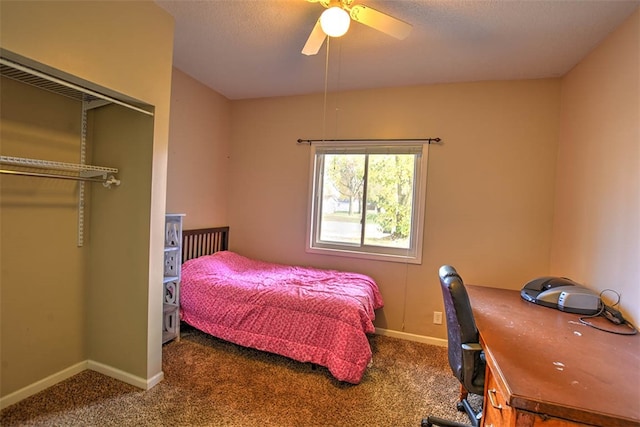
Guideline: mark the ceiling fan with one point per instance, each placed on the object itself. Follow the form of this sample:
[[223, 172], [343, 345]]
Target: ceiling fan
[[346, 11]]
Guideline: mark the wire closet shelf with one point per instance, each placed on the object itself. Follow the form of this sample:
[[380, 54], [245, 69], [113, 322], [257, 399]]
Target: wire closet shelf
[[59, 170], [70, 87]]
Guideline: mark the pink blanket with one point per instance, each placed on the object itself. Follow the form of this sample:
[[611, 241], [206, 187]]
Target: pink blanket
[[306, 314]]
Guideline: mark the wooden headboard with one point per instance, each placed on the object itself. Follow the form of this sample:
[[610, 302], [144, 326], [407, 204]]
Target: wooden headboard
[[204, 241]]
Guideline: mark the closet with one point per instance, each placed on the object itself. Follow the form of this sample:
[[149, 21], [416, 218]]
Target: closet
[[75, 193]]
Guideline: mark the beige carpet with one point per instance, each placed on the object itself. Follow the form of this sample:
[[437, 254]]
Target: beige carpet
[[209, 382]]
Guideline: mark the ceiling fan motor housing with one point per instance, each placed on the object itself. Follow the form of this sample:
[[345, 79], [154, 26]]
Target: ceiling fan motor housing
[[363, 14], [345, 4]]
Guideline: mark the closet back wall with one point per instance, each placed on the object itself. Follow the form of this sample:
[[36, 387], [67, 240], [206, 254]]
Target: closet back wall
[[42, 269]]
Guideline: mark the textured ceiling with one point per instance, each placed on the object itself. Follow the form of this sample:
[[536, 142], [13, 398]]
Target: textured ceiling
[[251, 49]]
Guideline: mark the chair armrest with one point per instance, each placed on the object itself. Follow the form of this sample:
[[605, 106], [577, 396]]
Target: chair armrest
[[474, 346], [473, 366], [469, 350]]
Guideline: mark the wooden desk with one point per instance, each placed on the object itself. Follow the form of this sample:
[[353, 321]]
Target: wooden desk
[[546, 368]]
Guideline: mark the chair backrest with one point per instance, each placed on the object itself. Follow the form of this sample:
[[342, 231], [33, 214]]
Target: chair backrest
[[461, 326]]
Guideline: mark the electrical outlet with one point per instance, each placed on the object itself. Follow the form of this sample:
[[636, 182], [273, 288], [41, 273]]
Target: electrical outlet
[[437, 317]]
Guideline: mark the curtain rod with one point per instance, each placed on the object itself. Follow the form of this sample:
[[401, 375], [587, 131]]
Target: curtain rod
[[427, 140]]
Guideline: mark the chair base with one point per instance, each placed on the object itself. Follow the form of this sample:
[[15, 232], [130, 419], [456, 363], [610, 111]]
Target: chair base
[[435, 421], [463, 406]]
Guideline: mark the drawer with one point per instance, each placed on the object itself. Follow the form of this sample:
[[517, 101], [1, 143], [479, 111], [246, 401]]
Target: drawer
[[496, 411], [171, 290], [172, 263], [529, 419], [170, 322]]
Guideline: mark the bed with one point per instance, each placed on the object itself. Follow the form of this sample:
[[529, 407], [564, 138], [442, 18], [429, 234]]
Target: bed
[[306, 314]]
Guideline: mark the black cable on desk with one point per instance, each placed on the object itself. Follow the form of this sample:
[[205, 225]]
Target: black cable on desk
[[601, 312]]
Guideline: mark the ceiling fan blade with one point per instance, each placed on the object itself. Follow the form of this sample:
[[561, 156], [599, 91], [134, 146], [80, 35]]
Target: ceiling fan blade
[[315, 40], [380, 21]]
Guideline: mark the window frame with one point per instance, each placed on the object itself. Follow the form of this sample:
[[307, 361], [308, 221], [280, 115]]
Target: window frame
[[412, 255]]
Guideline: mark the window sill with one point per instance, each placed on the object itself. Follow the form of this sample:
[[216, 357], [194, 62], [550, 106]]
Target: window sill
[[364, 255]]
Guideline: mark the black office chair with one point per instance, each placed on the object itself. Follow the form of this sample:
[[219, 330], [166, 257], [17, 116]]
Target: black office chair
[[466, 357]]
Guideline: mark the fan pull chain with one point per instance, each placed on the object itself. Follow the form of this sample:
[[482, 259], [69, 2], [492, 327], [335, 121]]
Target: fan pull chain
[[326, 84]]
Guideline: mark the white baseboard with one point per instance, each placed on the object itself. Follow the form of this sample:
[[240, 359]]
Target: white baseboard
[[44, 383], [52, 380], [146, 384], [412, 337], [153, 381], [125, 377]]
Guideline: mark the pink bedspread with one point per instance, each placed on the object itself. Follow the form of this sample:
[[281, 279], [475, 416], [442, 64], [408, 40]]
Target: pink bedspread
[[306, 314]]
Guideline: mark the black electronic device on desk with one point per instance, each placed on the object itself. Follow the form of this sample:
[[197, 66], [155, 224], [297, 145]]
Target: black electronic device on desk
[[563, 294]]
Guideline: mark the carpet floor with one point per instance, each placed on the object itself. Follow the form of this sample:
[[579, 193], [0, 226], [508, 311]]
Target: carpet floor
[[210, 382]]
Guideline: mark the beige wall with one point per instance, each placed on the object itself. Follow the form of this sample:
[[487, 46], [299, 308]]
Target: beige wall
[[490, 187], [125, 47], [198, 167], [596, 231]]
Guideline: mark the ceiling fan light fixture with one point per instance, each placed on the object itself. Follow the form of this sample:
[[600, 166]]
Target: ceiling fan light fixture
[[335, 21]]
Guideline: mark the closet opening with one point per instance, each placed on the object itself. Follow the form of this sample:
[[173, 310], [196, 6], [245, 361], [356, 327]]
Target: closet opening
[[75, 253]]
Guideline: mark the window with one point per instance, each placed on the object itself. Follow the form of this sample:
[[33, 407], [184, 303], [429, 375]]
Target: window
[[367, 200]]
